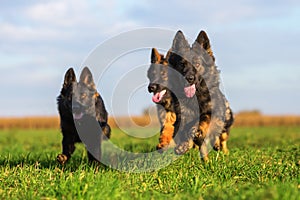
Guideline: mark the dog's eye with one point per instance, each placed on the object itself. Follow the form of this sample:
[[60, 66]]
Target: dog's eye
[[182, 64], [163, 73]]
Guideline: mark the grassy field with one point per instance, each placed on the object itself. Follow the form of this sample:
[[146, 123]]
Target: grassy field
[[264, 163]]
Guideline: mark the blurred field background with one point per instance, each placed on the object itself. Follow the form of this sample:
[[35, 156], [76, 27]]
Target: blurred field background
[[242, 119]]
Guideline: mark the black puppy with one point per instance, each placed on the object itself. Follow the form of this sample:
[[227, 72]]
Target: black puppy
[[81, 110]]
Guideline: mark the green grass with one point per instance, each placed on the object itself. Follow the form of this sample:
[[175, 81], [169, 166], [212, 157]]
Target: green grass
[[263, 164]]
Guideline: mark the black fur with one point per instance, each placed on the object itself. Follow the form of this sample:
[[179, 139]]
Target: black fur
[[197, 66], [164, 78], [158, 77], [207, 78], [81, 109], [203, 117], [189, 111]]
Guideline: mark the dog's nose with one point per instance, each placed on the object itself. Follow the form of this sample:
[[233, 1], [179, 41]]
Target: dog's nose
[[75, 107], [152, 87], [190, 78]]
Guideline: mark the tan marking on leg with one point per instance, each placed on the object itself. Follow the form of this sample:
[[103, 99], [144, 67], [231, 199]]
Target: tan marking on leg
[[223, 139], [166, 135], [204, 152], [204, 126]]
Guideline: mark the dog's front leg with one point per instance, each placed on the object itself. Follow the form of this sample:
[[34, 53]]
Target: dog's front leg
[[167, 131], [68, 147], [187, 134]]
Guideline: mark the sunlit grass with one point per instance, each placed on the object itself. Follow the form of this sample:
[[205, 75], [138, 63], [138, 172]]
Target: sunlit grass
[[263, 164]]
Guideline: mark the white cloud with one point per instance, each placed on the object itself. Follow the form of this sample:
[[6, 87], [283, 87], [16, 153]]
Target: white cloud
[[14, 33], [64, 20], [221, 14], [57, 13], [40, 39]]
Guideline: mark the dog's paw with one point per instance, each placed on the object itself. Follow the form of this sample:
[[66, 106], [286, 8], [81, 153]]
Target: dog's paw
[[161, 148], [62, 158], [164, 147], [217, 147], [182, 148], [205, 159], [225, 151]]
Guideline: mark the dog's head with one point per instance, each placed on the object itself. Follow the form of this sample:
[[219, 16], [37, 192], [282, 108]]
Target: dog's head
[[79, 97], [193, 62], [158, 77], [182, 80]]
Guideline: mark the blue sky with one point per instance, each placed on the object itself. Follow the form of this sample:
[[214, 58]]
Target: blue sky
[[256, 44]]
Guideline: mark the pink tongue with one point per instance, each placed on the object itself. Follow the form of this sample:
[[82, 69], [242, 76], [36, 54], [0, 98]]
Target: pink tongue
[[158, 96], [190, 91], [155, 98], [77, 115]]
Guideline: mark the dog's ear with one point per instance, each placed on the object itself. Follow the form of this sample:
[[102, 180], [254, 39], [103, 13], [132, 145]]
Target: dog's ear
[[87, 78], [203, 41], [168, 55], [70, 77], [180, 44], [155, 56]]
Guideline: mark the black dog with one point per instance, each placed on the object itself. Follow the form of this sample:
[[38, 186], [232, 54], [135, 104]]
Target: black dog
[[175, 114], [205, 75], [162, 96], [188, 106], [83, 116], [197, 66]]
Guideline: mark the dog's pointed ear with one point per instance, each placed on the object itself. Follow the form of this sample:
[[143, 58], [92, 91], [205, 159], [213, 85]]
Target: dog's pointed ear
[[180, 44], [203, 41], [70, 77], [87, 78], [155, 56], [168, 55]]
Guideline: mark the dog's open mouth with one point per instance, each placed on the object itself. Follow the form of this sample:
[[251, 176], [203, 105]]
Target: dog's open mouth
[[77, 115], [157, 97], [190, 91]]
